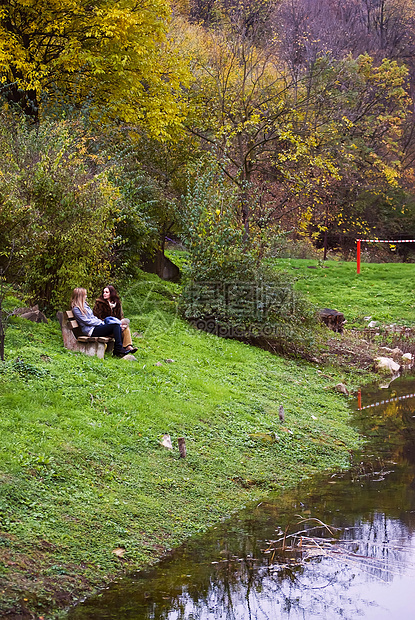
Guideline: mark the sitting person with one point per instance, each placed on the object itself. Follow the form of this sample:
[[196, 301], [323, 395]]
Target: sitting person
[[109, 304], [92, 326]]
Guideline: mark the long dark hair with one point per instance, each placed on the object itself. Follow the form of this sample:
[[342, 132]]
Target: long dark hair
[[114, 297]]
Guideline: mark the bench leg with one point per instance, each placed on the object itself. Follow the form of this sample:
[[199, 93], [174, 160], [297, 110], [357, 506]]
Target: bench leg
[[89, 348], [94, 348], [69, 340], [100, 351]]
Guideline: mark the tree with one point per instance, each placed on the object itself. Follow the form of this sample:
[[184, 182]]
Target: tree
[[361, 124], [245, 111], [293, 143], [306, 29], [6, 261], [254, 14], [57, 210], [375, 154], [151, 178], [113, 54], [228, 289]]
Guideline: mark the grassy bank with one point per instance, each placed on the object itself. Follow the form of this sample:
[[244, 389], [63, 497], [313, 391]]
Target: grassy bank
[[82, 472], [385, 292]]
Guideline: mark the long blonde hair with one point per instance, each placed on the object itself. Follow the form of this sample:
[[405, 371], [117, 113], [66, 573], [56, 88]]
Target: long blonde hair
[[78, 299]]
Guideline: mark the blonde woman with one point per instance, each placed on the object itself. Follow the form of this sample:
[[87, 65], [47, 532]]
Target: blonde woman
[[92, 326]]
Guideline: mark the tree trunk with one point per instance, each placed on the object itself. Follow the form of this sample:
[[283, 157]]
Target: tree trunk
[[26, 100], [245, 215], [325, 232], [1, 327]]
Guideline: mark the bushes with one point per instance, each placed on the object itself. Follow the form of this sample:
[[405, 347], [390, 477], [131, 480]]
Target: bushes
[[55, 208], [299, 248], [228, 289]]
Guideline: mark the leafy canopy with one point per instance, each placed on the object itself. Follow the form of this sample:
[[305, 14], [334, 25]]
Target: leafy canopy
[[113, 54]]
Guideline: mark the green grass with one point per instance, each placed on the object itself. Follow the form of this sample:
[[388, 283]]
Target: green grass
[[385, 292], [82, 471]]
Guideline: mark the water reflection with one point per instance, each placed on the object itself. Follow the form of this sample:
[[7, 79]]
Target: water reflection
[[272, 563]]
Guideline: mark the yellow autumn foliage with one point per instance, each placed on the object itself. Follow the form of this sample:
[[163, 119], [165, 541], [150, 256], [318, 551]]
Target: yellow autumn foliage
[[113, 54]]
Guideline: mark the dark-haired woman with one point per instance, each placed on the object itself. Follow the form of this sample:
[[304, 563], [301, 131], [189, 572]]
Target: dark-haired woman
[[91, 325], [109, 304]]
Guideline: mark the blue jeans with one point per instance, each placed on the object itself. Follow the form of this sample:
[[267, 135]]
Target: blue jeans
[[113, 329]]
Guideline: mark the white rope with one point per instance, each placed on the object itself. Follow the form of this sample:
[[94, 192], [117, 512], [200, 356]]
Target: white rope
[[388, 400]]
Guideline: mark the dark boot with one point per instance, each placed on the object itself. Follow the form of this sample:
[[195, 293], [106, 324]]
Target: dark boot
[[132, 350], [120, 352]]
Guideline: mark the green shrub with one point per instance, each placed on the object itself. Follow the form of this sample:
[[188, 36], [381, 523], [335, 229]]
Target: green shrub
[[290, 248], [56, 208], [228, 289]]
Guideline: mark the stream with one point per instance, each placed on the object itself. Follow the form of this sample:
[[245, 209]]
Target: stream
[[340, 546]]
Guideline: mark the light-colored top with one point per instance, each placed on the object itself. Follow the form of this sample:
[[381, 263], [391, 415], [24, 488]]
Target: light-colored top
[[86, 321]]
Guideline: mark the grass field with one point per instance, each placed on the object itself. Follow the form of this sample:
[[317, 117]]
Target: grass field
[[385, 292], [82, 472]]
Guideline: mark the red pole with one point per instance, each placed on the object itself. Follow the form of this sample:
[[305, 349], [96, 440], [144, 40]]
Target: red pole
[[359, 400], [358, 256]]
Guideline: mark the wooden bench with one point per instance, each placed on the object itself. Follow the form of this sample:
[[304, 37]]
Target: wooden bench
[[74, 340]]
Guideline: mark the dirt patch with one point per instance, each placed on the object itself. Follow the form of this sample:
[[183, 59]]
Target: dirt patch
[[359, 348], [350, 350]]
